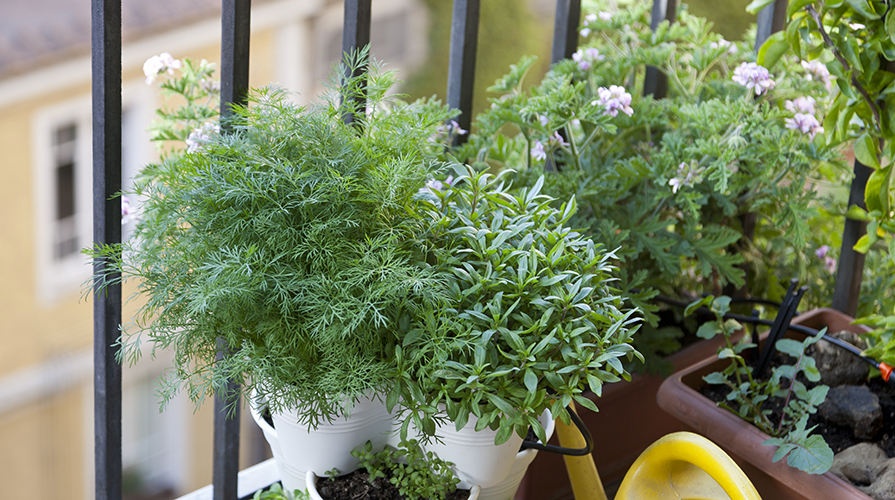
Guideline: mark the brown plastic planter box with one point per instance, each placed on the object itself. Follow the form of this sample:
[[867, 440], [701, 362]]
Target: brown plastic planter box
[[679, 395], [628, 422]]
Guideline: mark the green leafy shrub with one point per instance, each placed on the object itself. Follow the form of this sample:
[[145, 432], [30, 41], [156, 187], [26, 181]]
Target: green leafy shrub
[[712, 189], [531, 321]]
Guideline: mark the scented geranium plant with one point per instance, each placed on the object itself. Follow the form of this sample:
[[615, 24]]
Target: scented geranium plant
[[710, 189], [289, 245], [531, 321], [852, 44]]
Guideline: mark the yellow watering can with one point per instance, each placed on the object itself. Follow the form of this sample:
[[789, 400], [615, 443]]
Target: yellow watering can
[[679, 466]]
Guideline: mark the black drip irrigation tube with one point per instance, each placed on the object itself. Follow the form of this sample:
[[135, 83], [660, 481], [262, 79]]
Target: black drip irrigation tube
[[884, 368], [561, 450]]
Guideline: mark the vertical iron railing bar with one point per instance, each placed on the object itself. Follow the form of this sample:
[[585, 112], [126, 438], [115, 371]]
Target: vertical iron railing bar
[[850, 269], [565, 42], [461, 64], [655, 82], [355, 36], [106, 96], [565, 29], [771, 19], [235, 34]]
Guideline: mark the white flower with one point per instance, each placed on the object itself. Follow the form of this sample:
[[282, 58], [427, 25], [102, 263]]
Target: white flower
[[584, 32], [604, 16], [590, 18], [128, 212], [156, 65], [802, 104], [722, 43], [806, 124], [751, 75], [613, 100], [856, 26], [688, 174]]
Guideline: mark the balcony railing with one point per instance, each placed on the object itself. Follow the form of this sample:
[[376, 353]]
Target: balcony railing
[[106, 62]]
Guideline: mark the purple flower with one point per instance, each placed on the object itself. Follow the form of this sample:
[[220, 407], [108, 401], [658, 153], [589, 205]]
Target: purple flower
[[584, 32], [199, 136], [604, 16], [802, 104], [817, 69], [807, 124], [613, 100], [829, 262], [433, 185], [751, 75], [586, 57], [537, 151], [557, 139]]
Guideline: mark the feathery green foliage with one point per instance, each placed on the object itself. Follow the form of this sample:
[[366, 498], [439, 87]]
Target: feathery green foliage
[[288, 245]]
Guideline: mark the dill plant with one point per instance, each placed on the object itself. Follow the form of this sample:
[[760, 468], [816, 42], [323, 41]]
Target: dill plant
[[283, 254]]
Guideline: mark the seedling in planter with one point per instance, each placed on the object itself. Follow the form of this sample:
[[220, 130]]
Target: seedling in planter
[[748, 394], [276, 492], [416, 474]]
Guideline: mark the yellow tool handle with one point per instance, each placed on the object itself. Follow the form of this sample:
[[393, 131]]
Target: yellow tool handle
[[585, 479]]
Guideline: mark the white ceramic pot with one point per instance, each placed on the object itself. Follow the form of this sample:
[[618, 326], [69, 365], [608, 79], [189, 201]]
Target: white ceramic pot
[[311, 488], [506, 489], [291, 478], [476, 459], [329, 446]]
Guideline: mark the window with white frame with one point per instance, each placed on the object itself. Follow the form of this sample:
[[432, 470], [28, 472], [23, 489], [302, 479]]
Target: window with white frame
[[62, 151]]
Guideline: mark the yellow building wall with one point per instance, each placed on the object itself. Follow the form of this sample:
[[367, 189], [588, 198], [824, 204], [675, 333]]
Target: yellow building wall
[[45, 448]]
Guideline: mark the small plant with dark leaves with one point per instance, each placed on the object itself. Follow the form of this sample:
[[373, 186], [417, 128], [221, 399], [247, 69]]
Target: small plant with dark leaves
[[416, 473], [276, 492], [748, 395]]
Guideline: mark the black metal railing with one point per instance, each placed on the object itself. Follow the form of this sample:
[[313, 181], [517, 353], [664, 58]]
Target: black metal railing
[[106, 60]]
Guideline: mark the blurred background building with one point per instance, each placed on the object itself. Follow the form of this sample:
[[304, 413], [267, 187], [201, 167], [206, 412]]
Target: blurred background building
[[46, 328]]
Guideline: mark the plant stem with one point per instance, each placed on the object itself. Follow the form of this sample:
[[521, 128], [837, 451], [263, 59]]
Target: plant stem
[[792, 383]]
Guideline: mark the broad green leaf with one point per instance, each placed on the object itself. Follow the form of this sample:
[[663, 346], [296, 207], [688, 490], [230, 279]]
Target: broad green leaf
[[726, 353], [863, 244], [696, 305], [866, 150], [864, 8], [812, 455], [772, 49], [876, 194], [716, 378], [708, 330], [796, 5], [757, 5], [857, 213]]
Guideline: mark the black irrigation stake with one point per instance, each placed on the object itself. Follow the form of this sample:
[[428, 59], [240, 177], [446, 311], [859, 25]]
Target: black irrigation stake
[[461, 64], [356, 36], [655, 82], [235, 33], [850, 270], [106, 75], [781, 324]]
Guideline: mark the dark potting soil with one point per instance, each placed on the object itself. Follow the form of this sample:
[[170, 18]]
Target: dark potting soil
[[357, 486], [837, 436]]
